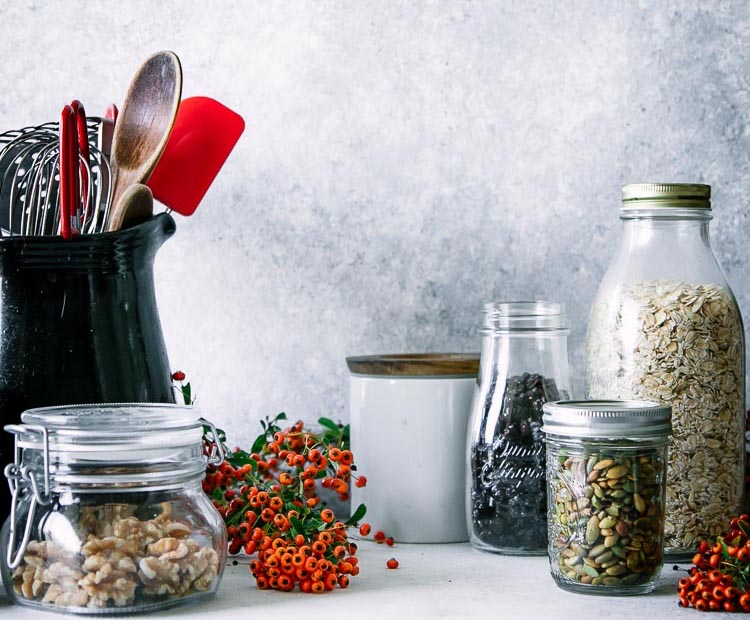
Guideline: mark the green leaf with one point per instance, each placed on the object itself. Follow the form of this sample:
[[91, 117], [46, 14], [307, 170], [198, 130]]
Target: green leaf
[[358, 514], [297, 526], [258, 444], [328, 423], [745, 527], [186, 393]]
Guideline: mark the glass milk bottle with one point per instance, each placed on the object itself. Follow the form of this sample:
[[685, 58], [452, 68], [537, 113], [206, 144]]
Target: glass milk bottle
[[665, 326]]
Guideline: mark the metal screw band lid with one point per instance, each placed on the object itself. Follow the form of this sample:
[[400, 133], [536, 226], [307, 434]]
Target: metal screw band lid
[[660, 195], [610, 419]]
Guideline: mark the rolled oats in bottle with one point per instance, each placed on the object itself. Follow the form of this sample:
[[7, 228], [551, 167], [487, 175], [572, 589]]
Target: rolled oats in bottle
[[665, 326]]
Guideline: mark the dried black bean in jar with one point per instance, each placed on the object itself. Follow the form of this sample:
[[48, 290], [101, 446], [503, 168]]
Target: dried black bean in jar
[[509, 496]]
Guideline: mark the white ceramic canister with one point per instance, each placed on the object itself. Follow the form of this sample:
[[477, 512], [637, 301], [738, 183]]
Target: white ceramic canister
[[409, 415]]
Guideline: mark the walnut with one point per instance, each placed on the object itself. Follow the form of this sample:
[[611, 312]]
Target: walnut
[[27, 580], [141, 532], [66, 596], [110, 571], [177, 530], [175, 566]]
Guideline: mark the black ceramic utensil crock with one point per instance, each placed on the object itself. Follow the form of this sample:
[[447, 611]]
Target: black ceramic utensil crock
[[79, 324]]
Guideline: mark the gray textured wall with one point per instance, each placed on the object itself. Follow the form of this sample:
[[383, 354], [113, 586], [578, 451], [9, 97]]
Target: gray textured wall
[[404, 162]]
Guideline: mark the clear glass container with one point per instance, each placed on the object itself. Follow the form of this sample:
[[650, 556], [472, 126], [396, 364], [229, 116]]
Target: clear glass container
[[108, 515], [524, 363], [606, 466], [665, 326]]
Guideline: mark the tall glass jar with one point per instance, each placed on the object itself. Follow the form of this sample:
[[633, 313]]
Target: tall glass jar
[[524, 363], [108, 514], [665, 326], [606, 465]]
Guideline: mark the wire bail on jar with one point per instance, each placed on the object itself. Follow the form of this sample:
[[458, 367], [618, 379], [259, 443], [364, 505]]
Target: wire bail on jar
[[19, 477]]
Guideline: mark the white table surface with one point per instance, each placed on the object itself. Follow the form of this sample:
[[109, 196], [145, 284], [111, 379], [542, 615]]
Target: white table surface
[[432, 581]]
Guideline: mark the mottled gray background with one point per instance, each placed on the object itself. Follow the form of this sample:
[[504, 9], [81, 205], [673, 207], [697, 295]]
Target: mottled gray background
[[404, 162]]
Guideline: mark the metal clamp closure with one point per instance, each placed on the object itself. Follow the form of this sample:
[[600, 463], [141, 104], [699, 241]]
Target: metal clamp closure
[[218, 453], [20, 480]]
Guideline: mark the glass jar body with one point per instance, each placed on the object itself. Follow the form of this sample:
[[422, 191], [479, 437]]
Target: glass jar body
[[117, 551], [521, 368], [606, 513], [665, 326]]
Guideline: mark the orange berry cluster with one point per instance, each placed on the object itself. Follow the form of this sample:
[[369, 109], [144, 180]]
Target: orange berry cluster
[[316, 567], [269, 500], [720, 576]]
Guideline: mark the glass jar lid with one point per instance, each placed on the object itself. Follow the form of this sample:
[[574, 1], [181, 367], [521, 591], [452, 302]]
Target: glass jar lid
[[524, 316], [662, 195], [609, 419], [112, 445], [117, 426]]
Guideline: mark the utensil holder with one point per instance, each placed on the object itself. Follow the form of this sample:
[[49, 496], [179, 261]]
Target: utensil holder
[[79, 323]]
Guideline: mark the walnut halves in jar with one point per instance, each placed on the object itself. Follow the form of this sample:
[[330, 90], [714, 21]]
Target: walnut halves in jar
[[146, 539]]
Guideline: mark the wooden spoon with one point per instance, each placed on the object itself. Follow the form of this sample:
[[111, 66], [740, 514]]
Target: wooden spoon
[[144, 124], [136, 206]]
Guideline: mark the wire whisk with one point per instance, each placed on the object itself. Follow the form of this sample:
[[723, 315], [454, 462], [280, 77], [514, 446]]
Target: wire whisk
[[30, 181]]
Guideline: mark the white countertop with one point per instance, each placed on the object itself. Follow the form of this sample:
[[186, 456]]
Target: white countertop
[[447, 581]]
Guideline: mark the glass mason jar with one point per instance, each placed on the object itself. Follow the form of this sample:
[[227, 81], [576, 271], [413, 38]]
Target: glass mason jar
[[606, 465], [524, 363], [108, 515], [666, 327]]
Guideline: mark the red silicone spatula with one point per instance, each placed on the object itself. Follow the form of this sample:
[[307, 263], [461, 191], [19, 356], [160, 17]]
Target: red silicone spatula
[[204, 133]]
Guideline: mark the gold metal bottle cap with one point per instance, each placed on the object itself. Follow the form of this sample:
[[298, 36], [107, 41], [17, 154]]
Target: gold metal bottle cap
[[677, 195]]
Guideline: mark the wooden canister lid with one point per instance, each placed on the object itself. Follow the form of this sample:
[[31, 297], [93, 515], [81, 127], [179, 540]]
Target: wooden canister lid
[[416, 365]]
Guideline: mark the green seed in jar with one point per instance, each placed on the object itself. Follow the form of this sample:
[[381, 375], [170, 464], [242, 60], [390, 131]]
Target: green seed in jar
[[589, 561], [611, 581], [639, 504], [590, 570], [604, 558], [607, 522], [598, 550], [619, 552], [592, 530], [618, 471], [611, 541]]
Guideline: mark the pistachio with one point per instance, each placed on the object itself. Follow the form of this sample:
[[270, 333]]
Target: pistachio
[[617, 569], [603, 464], [639, 504], [590, 570], [592, 530], [604, 558], [611, 581], [618, 471], [598, 550], [607, 522], [611, 541]]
